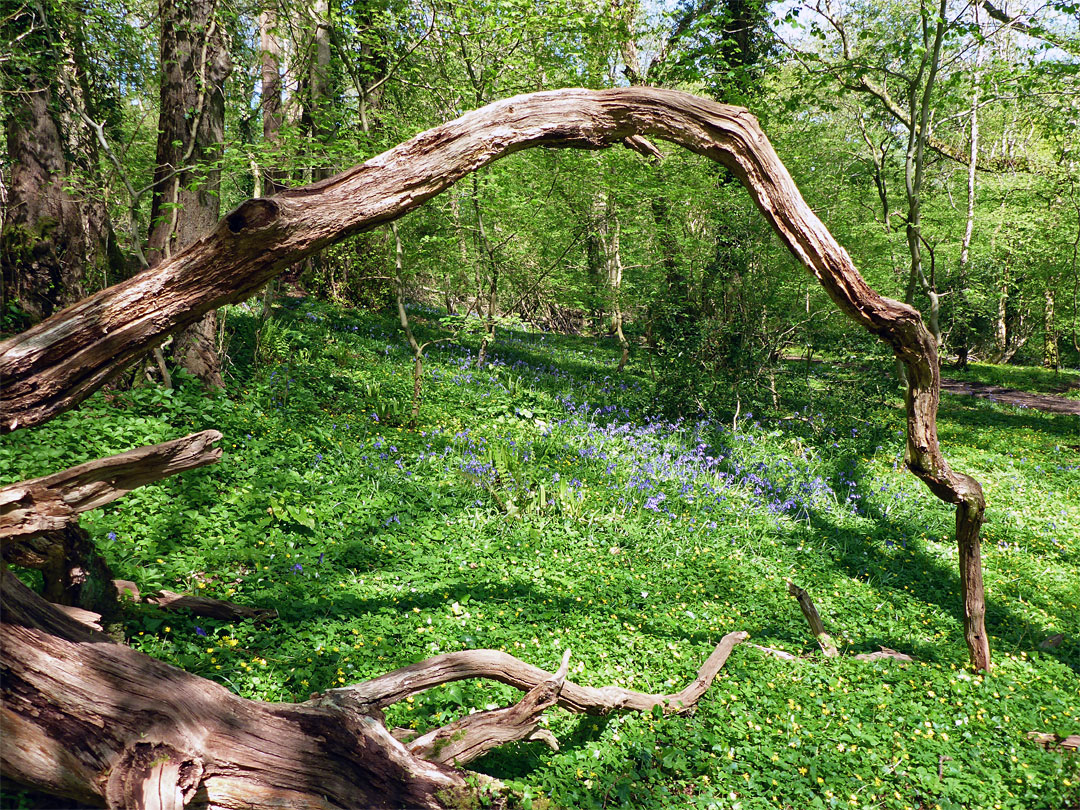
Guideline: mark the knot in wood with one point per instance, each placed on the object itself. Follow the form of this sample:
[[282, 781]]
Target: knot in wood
[[257, 213], [153, 776]]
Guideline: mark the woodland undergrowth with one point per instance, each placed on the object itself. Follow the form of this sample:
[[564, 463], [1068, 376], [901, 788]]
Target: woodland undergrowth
[[540, 503]]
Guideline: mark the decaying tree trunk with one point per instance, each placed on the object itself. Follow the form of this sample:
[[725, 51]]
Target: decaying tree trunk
[[77, 709], [98, 722]]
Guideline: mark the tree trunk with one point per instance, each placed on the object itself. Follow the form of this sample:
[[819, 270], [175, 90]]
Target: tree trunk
[[262, 237], [56, 240], [191, 131], [403, 317], [270, 70], [1051, 357], [609, 242], [920, 93], [488, 253], [961, 322], [100, 723], [1001, 334]]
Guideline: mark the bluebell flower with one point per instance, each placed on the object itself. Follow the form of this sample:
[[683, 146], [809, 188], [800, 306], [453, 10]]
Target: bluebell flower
[[111, 535], [199, 631]]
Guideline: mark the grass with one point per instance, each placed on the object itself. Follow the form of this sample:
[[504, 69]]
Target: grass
[[540, 504]]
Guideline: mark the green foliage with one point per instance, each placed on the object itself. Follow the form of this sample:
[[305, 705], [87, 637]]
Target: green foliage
[[636, 542]]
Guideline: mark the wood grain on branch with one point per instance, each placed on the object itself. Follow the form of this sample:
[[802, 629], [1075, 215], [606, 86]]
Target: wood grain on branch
[[817, 627], [31, 508], [102, 724], [495, 665], [474, 735]]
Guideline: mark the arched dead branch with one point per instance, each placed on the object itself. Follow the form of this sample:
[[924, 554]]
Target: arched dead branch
[[64, 684]]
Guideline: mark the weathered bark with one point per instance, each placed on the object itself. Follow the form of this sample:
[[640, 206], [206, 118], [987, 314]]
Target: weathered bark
[[395, 686], [54, 237], [214, 608], [58, 363], [98, 722], [191, 131], [30, 508], [817, 627], [474, 735]]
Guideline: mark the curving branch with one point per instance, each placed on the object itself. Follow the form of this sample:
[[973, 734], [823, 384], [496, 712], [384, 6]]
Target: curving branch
[[58, 363], [99, 723], [393, 687]]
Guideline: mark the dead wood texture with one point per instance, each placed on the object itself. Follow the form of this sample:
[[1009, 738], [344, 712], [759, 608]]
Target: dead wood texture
[[97, 722], [61, 361], [817, 627], [51, 503], [395, 686], [214, 608], [100, 723]]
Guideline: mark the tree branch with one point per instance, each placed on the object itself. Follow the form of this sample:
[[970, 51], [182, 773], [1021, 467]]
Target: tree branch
[[495, 665], [30, 508]]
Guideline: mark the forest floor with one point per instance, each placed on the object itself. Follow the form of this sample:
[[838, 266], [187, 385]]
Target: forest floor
[[543, 503], [1048, 403]]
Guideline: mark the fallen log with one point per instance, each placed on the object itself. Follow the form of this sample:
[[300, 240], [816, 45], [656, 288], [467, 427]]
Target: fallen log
[[97, 722], [213, 608], [31, 508]]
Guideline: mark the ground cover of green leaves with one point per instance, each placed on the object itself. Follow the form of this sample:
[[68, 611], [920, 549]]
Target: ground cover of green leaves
[[539, 505]]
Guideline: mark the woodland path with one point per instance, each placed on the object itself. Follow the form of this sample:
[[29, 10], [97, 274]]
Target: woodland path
[[1048, 403]]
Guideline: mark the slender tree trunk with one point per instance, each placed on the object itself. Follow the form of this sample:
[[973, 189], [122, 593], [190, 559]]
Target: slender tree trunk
[[919, 108], [403, 318], [1001, 334], [493, 280], [609, 232], [1051, 357], [1076, 280], [962, 326], [463, 250], [191, 131], [270, 70]]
